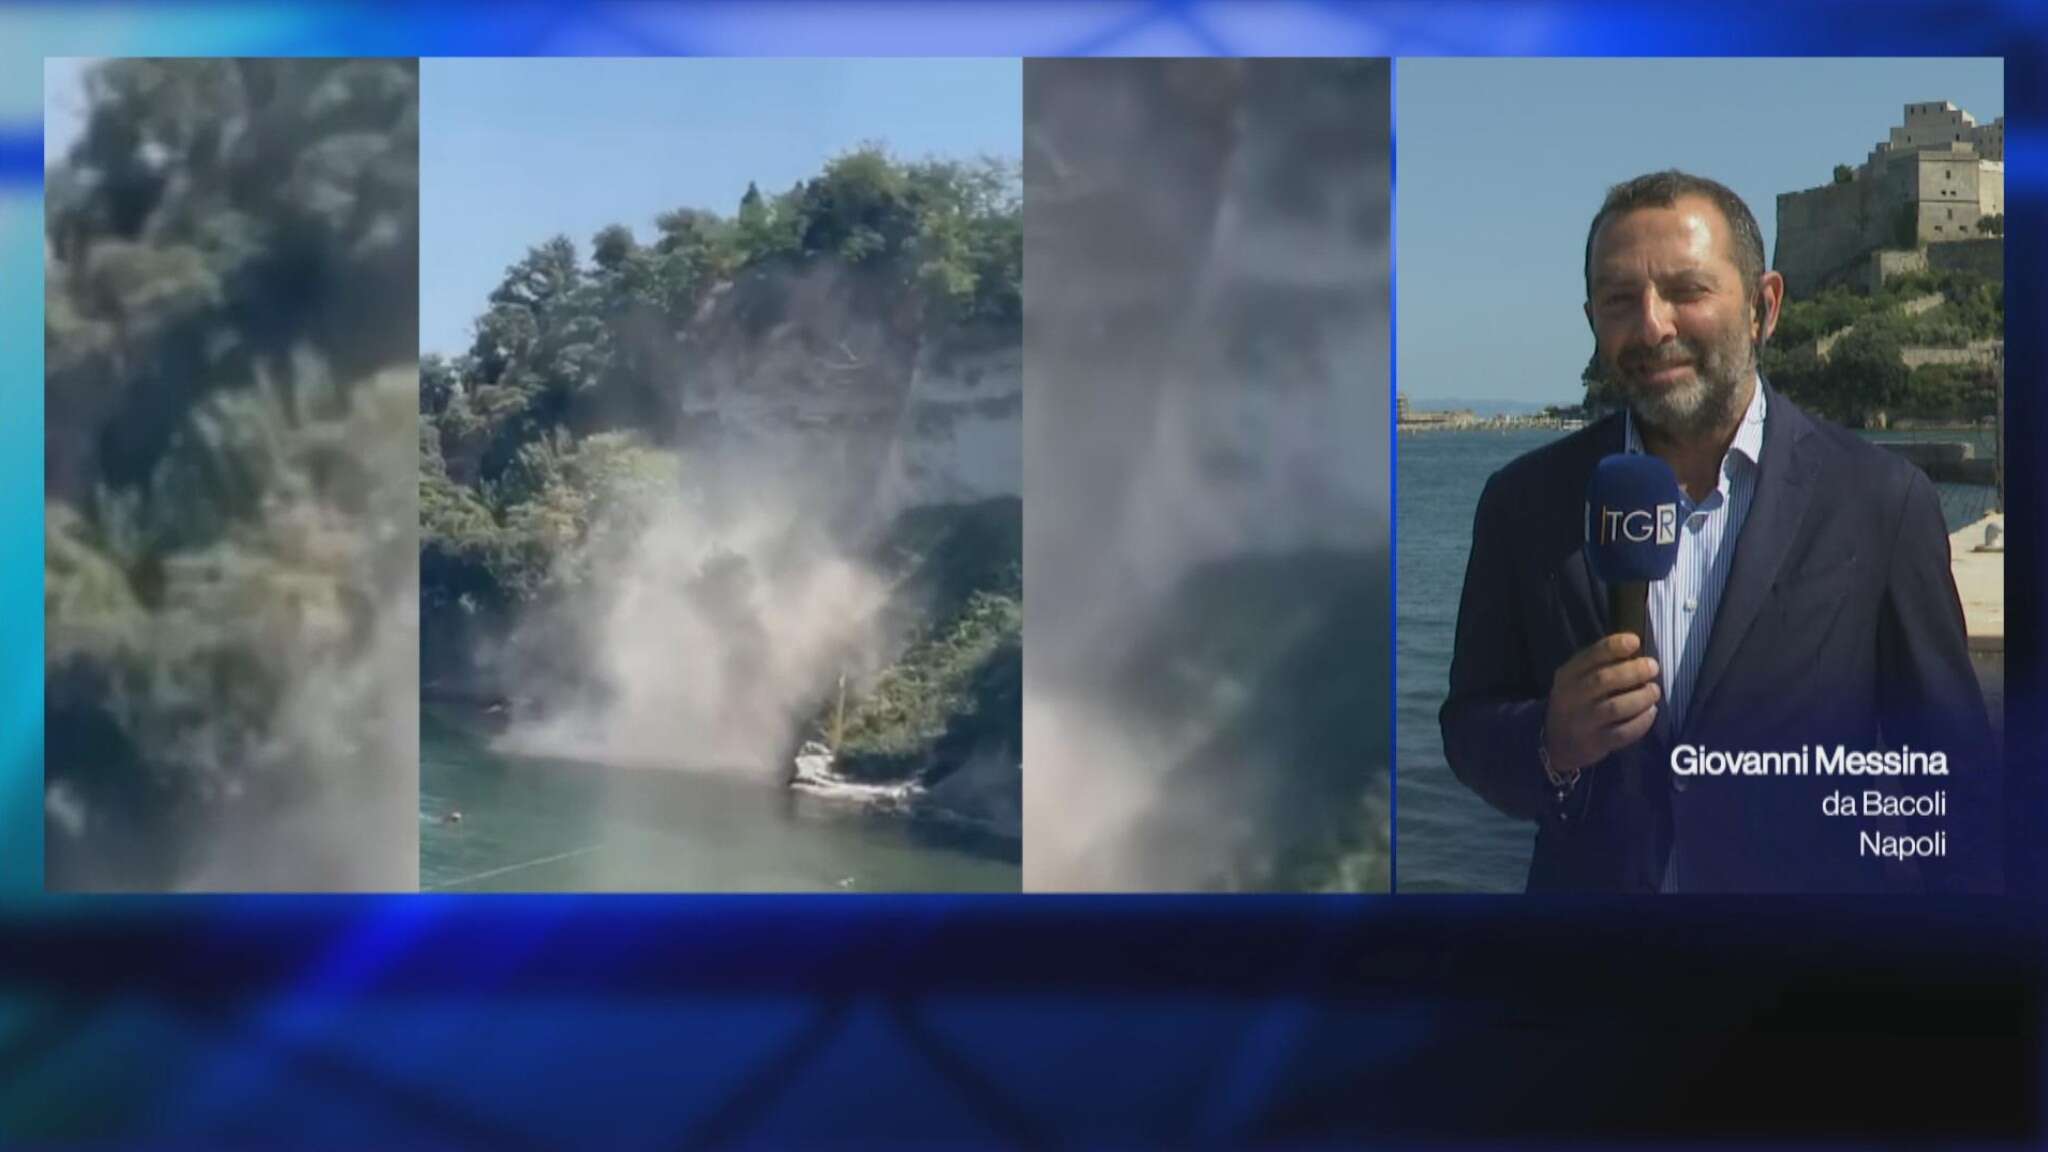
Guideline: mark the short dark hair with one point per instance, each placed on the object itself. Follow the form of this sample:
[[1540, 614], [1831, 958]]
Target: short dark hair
[[1662, 190]]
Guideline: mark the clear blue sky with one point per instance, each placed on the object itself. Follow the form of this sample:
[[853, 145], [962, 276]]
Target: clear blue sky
[[514, 151], [1502, 163]]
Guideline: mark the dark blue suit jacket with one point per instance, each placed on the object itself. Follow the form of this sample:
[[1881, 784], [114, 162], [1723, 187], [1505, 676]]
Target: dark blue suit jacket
[[1839, 626]]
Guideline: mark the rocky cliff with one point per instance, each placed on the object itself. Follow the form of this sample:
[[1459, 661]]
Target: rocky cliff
[[671, 501]]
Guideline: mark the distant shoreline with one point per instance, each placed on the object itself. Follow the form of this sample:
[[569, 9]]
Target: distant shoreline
[[1462, 422]]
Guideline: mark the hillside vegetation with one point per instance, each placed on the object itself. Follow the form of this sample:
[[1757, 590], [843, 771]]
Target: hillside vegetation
[[1864, 373], [546, 446]]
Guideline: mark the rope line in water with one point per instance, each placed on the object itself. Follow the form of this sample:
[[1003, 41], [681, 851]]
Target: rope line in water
[[488, 873]]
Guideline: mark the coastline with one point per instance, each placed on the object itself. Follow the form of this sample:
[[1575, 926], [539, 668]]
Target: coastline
[[482, 717], [1464, 422]]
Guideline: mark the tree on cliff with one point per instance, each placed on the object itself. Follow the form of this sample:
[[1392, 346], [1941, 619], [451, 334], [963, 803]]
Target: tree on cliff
[[565, 353]]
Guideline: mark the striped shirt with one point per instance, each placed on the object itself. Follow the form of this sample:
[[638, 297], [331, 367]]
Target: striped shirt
[[1683, 604]]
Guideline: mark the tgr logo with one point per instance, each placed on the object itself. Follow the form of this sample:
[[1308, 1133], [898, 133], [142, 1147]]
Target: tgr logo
[[1639, 525]]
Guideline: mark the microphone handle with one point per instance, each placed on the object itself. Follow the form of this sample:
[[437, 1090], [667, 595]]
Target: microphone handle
[[1628, 610]]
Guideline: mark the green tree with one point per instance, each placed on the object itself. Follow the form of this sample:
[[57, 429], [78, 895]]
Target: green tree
[[1797, 371], [859, 208], [547, 274], [1804, 321], [1864, 376], [438, 384], [758, 232], [1601, 395], [612, 247]]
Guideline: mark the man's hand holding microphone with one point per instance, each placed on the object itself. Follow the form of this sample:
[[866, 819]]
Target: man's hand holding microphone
[[1606, 696], [1601, 700]]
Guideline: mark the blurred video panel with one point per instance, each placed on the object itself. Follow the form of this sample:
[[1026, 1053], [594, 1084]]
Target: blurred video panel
[[1206, 459], [231, 594]]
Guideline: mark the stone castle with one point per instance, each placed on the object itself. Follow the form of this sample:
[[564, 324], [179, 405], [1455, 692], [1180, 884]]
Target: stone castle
[[1924, 188]]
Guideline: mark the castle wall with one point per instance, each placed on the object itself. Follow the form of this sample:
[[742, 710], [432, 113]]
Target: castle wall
[[1933, 125], [1946, 195], [1937, 175], [1823, 232], [1986, 352], [1936, 222], [1984, 257], [1991, 189], [1990, 140], [1892, 263]]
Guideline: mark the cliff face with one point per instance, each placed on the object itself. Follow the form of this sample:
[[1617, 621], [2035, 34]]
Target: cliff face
[[841, 499], [904, 442], [831, 376]]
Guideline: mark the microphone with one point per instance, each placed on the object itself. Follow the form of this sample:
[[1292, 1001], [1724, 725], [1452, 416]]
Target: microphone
[[1632, 512]]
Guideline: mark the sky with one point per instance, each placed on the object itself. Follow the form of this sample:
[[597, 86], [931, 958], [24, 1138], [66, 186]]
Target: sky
[[63, 104], [1500, 165], [515, 151]]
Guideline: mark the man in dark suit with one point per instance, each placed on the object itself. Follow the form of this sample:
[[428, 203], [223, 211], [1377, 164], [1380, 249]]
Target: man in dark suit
[[1811, 610]]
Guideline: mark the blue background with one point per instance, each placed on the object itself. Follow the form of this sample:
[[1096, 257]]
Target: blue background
[[531, 1022]]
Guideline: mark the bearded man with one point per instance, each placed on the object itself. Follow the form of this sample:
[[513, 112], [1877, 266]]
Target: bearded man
[[1811, 612]]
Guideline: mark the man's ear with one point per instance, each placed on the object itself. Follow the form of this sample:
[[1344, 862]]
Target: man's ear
[[1770, 298]]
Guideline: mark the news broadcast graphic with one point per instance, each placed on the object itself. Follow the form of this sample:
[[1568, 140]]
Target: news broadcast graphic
[[721, 478], [1732, 600], [1436, 1015], [1205, 343]]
